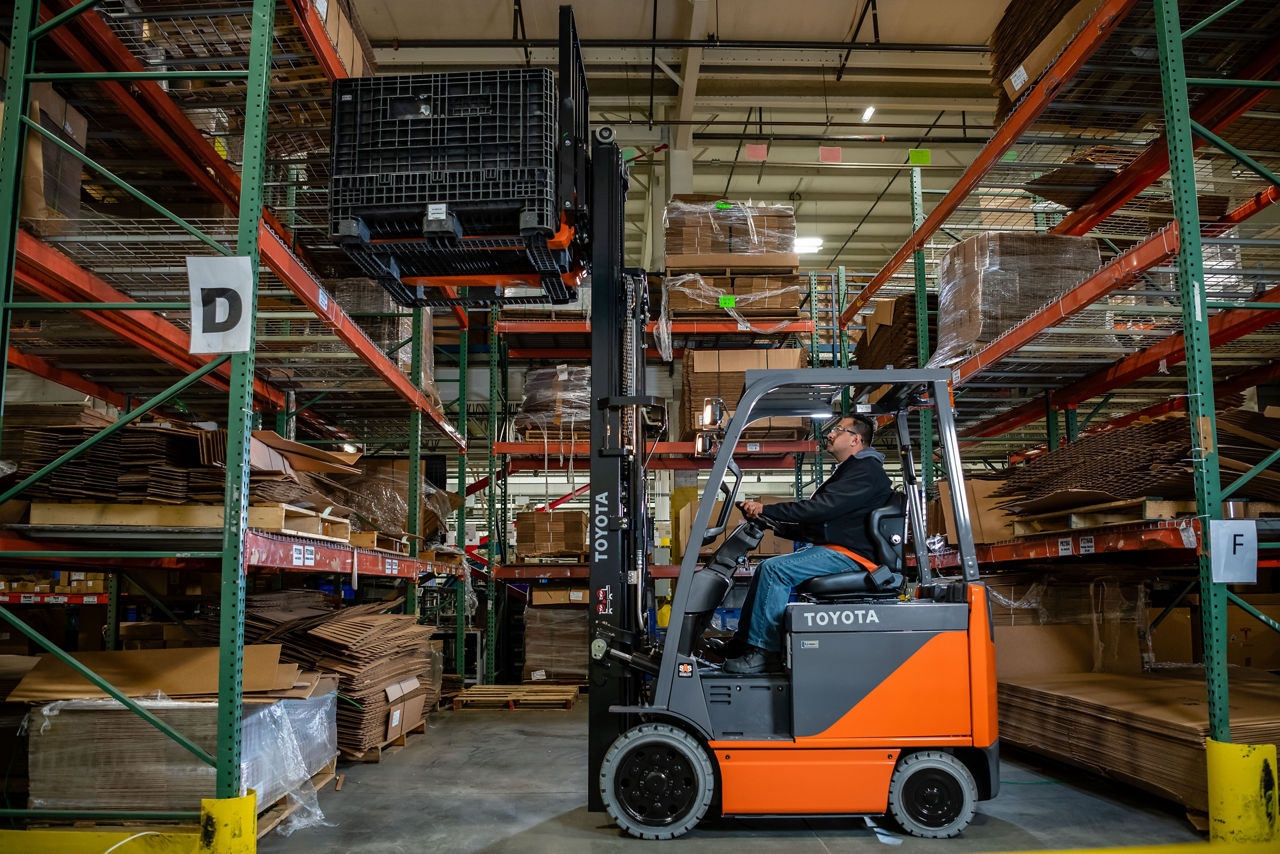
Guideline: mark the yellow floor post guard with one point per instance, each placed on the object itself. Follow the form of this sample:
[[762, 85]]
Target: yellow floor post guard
[[1242, 792], [227, 826]]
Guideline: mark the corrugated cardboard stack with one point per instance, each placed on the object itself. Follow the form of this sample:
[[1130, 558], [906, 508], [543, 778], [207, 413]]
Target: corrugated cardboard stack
[[699, 225], [890, 335], [555, 405], [770, 544], [553, 533], [990, 283], [721, 373], [696, 295], [555, 644]]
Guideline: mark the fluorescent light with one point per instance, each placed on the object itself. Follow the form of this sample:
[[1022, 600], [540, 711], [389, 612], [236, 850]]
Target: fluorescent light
[[868, 113], [349, 448], [808, 245]]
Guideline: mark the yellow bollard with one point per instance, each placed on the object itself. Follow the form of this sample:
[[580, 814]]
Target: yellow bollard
[[1243, 801], [229, 825]]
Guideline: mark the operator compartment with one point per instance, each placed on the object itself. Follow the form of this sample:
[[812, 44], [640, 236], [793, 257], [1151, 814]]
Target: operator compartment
[[879, 669]]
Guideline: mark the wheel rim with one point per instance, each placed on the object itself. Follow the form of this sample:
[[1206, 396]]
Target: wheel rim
[[933, 798], [656, 784]]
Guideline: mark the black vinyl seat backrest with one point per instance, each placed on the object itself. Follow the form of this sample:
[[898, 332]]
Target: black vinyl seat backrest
[[888, 529]]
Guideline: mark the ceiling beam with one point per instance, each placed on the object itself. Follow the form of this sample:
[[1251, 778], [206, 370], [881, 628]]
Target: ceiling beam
[[690, 68]]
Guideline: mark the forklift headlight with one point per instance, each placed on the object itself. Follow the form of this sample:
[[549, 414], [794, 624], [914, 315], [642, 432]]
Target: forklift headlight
[[704, 445], [713, 412]]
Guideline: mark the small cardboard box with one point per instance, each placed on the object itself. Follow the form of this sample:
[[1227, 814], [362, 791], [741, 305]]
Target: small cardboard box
[[396, 692], [558, 596], [1038, 60], [990, 523], [94, 587]]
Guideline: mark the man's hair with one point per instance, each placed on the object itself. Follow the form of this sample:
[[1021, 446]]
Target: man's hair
[[861, 426]]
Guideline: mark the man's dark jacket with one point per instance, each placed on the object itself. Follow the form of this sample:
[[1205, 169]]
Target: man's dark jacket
[[837, 511]]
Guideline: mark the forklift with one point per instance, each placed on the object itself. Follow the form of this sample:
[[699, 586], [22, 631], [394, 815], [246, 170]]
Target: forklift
[[886, 704]]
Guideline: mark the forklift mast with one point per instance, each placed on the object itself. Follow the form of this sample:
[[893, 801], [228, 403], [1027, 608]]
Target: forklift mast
[[619, 525]]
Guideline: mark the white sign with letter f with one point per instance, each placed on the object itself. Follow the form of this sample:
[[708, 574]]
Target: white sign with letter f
[[1233, 551], [221, 313]]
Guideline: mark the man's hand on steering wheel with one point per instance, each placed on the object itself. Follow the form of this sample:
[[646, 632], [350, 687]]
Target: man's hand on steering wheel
[[751, 509]]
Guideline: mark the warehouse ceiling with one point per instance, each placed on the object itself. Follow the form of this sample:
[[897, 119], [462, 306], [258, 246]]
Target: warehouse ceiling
[[707, 78]]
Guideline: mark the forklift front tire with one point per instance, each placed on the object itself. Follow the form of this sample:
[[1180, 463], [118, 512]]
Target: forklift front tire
[[657, 781], [932, 794]]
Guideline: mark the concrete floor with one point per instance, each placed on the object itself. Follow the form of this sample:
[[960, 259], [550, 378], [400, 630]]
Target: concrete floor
[[516, 782]]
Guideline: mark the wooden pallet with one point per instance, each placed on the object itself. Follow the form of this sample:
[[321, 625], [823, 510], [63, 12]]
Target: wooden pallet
[[562, 558], [1101, 515], [287, 519], [516, 697], [277, 812], [533, 434], [724, 264], [277, 518], [380, 542], [374, 754]]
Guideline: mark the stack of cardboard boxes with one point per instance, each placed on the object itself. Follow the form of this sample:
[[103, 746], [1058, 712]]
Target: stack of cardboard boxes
[[697, 295], [56, 582], [711, 226], [721, 373], [554, 533]]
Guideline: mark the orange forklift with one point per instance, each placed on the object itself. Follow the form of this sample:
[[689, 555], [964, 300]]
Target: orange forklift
[[887, 701]]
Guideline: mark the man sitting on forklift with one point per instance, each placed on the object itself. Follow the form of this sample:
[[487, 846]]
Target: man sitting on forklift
[[833, 519]]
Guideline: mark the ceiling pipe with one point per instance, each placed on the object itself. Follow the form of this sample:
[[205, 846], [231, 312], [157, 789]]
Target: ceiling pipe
[[706, 44]]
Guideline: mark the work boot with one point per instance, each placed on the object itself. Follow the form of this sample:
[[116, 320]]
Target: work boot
[[736, 647], [754, 661]]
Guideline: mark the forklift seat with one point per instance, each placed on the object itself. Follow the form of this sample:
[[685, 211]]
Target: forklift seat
[[888, 529]]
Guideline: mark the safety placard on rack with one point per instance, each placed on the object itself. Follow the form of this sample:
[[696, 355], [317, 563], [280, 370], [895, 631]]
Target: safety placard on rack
[[298, 556], [753, 447], [1086, 545], [90, 600], [323, 300], [56, 600], [391, 566], [308, 555], [28, 598], [1064, 546]]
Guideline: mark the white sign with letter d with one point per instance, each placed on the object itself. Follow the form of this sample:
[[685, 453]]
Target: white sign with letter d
[[221, 290]]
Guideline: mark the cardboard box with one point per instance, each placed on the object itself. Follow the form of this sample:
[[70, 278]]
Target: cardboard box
[[1249, 642], [722, 373], [94, 587], [1038, 60], [990, 523], [396, 692], [558, 596]]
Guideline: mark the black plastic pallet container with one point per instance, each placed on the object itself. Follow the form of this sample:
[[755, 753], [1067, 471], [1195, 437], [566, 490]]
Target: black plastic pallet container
[[469, 153]]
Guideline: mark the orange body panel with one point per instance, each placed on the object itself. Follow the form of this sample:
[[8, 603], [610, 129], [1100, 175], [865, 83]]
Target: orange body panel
[[804, 782], [500, 280], [982, 669], [926, 698]]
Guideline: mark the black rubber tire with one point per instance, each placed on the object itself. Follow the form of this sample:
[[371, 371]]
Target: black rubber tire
[[678, 785], [932, 794]]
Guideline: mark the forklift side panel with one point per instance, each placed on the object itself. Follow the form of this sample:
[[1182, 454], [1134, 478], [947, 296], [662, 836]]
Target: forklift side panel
[[924, 696], [804, 782], [749, 707]]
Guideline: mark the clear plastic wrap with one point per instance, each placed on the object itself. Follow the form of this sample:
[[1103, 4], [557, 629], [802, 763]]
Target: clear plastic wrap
[[990, 283], [760, 304], [555, 644], [556, 404], [378, 498], [96, 754], [706, 225]]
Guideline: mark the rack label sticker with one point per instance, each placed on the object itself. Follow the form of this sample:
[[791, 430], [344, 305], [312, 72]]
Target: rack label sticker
[[56, 600], [1233, 551], [308, 555], [437, 211], [1188, 535], [728, 301], [90, 600], [1086, 545], [1064, 546], [28, 598], [1019, 77], [538, 675], [323, 300], [753, 447], [391, 566], [221, 293], [297, 557]]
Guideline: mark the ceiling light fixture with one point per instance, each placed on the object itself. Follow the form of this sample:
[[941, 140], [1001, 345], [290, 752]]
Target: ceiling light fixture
[[808, 245], [868, 113]]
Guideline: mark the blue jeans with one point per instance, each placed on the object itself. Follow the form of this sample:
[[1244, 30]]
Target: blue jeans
[[770, 590]]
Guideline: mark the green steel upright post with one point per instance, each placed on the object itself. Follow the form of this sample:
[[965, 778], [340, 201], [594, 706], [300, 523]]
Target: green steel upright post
[[113, 611], [815, 341], [460, 656], [414, 522], [495, 551], [12, 145], [922, 327], [240, 410], [1051, 435], [1071, 417], [1199, 366]]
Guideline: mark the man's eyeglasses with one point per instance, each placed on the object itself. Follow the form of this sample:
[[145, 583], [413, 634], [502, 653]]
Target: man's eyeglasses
[[842, 430]]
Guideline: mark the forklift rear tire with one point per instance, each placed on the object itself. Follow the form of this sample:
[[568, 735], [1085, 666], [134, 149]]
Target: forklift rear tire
[[657, 781], [932, 794]]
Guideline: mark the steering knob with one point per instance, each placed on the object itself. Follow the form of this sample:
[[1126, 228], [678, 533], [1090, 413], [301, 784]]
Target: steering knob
[[761, 520]]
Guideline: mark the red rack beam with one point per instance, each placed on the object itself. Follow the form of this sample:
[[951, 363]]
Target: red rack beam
[[1095, 32], [1154, 250], [582, 449], [1182, 535], [308, 21], [678, 326], [554, 463], [576, 353]]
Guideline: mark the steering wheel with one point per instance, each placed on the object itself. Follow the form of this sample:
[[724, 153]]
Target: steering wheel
[[761, 520]]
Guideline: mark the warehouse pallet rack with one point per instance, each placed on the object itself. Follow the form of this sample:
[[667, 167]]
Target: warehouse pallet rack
[[1212, 272], [113, 286]]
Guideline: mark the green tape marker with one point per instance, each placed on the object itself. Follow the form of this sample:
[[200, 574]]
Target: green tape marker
[[728, 301]]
